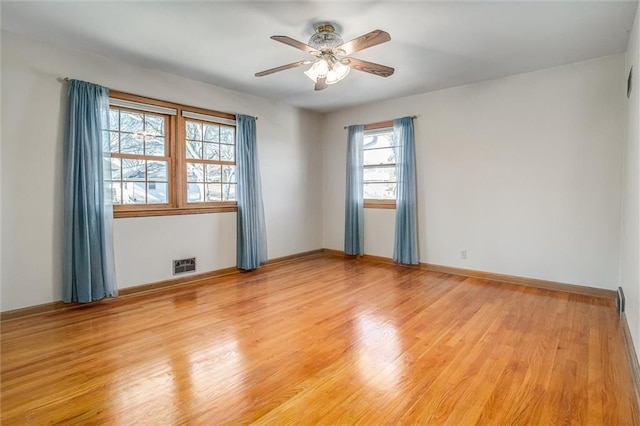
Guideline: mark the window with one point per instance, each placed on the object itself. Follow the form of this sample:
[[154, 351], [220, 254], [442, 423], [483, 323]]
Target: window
[[169, 159], [210, 159], [139, 160], [379, 183]]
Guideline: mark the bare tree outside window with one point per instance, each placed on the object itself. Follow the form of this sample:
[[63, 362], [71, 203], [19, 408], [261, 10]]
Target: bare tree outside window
[[210, 153]]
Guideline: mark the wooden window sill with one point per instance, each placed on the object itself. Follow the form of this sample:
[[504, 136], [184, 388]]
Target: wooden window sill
[[175, 211], [379, 204]]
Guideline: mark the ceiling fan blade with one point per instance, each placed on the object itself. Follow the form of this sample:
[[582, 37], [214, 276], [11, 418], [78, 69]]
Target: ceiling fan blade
[[370, 67], [373, 38], [321, 83], [282, 68], [295, 43]]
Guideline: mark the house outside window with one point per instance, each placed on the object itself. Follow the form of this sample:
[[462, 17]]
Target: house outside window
[[139, 166]]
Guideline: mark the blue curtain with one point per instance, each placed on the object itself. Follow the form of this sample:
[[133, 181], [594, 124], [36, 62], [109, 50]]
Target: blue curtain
[[354, 203], [405, 248], [251, 233], [88, 270]]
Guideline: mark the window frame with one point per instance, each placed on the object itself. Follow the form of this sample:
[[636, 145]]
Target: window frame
[[373, 203], [222, 163], [168, 157], [175, 140]]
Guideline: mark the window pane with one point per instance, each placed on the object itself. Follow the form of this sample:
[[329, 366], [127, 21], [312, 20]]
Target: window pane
[[104, 134], [194, 149], [116, 192], [114, 169], [229, 174], [211, 133], [380, 191], [133, 192], [131, 121], [131, 143], [157, 170], [195, 172], [385, 174], [114, 146], [195, 192], [157, 193], [211, 151], [214, 192], [229, 192], [132, 169], [154, 146], [227, 135], [213, 173], [114, 119], [227, 152], [378, 140], [379, 156], [154, 125], [194, 130]]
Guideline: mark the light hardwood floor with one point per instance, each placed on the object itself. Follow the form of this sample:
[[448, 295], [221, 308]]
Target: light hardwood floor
[[323, 340]]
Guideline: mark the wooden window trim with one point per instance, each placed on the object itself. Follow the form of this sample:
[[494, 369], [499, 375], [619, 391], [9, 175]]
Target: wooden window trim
[[175, 134], [380, 125], [379, 204], [172, 211]]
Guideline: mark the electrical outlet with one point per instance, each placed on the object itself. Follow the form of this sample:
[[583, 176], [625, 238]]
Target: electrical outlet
[[463, 254]]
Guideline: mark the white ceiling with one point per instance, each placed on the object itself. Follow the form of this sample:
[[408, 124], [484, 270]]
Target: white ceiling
[[433, 45]]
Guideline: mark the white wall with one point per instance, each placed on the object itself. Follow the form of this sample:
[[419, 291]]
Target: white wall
[[33, 105], [630, 241], [522, 172]]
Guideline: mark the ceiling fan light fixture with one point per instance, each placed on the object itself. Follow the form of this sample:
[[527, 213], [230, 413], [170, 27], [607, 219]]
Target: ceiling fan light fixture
[[337, 72], [333, 59], [318, 69]]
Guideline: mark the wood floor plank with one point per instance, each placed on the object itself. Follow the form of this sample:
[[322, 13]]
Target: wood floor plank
[[322, 340]]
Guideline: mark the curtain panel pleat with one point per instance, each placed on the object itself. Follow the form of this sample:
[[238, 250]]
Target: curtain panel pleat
[[405, 248], [89, 267], [251, 230], [354, 201]]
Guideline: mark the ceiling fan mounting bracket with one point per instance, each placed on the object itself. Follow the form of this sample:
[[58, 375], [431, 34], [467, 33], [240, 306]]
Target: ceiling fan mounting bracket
[[325, 28]]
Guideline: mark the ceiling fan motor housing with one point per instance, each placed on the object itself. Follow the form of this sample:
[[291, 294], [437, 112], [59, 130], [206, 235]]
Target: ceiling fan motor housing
[[325, 39]]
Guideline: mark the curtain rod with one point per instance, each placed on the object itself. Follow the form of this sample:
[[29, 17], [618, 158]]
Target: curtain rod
[[413, 117], [67, 79]]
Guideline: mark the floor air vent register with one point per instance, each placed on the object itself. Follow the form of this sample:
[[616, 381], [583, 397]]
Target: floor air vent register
[[181, 266]]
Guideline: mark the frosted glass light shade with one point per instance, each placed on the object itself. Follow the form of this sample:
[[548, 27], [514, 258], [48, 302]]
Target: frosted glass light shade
[[319, 69], [337, 73]]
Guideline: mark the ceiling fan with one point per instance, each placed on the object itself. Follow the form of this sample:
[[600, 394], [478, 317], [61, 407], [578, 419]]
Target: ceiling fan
[[332, 61]]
